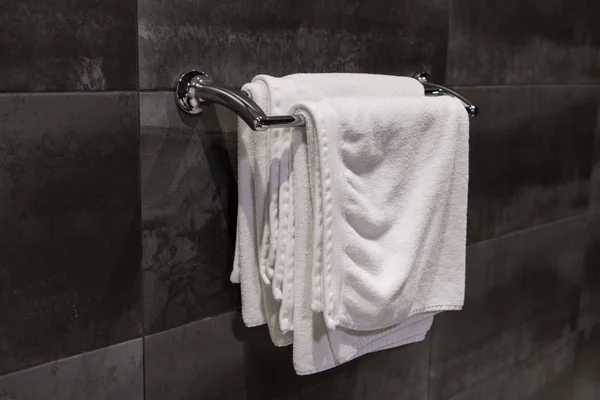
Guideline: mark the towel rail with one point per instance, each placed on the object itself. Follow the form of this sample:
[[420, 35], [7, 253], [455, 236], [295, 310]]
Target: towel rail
[[195, 90]]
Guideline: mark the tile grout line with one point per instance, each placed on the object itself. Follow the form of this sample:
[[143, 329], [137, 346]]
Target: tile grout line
[[530, 86], [141, 250], [72, 356], [447, 72], [533, 227], [141, 270], [432, 331]]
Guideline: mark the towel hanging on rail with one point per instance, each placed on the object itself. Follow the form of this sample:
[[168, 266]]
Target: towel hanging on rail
[[315, 346], [196, 90]]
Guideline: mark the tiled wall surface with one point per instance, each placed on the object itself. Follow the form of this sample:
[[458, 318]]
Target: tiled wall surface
[[118, 212], [70, 217]]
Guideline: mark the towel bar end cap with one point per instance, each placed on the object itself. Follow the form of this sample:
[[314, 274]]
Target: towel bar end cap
[[185, 92]]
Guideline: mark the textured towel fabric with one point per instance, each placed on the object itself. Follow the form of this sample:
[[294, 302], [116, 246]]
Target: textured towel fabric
[[260, 241], [278, 227], [390, 209], [258, 305], [316, 348], [280, 237]]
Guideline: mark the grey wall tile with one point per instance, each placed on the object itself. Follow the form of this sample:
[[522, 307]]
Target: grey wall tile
[[530, 158], [513, 42], [189, 204], [547, 375], [522, 294], [70, 216], [113, 372], [595, 196], [66, 45], [219, 358], [202, 360], [233, 40], [386, 374], [269, 373], [587, 372], [589, 313]]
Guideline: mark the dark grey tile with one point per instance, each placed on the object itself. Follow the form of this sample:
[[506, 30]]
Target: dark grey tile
[[114, 372], [201, 360], [270, 375], [189, 206], [530, 158], [595, 196], [385, 374], [234, 40], [587, 371], [68, 45], [70, 215], [522, 294], [219, 358], [513, 42], [547, 375], [589, 313]]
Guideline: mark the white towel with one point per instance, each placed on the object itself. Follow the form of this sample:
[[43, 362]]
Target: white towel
[[391, 210], [258, 305], [258, 235], [277, 240], [286, 91], [316, 348]]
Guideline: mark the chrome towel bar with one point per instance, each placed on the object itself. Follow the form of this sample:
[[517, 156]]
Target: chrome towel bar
[[196, 90]]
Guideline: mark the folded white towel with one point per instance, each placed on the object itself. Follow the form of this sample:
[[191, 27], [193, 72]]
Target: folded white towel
[[316, 348], [258, 305], [391, 210], [286, 91], [262, 239], [278, 227], [280, 237]]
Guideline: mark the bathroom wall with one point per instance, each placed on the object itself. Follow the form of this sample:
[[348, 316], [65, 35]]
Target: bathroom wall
[[118, 212]]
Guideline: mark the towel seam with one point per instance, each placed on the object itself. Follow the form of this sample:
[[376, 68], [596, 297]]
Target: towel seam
[[345, 323]]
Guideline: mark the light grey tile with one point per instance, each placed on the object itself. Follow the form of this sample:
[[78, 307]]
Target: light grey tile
[[522, 294], [234, 40], [201, 360], [114, 372], [387, 374], [547, 375], [189, 205], [70, 216], [530, 156], [499, 42]]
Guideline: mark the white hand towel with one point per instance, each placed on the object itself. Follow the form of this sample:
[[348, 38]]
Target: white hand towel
[[315, 348], [259, 177], [258, 305], [278, 226], [391, 211]]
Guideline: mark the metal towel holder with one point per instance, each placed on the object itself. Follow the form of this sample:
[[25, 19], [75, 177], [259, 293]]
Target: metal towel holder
[[195, 90]]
